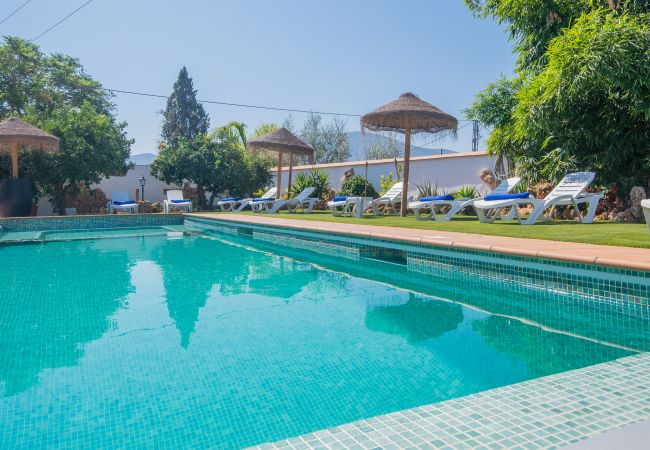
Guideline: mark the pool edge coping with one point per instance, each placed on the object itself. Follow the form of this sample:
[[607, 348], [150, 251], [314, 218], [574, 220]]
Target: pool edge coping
[[357, 230]]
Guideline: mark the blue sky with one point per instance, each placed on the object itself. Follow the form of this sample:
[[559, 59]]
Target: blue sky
[[347, 56]]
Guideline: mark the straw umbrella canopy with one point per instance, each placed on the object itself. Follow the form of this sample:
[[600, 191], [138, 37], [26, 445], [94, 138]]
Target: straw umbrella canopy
[[281, 141], [408, 114], [16, 134]]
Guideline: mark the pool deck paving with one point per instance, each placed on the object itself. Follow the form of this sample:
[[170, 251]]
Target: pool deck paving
[[602, 255]]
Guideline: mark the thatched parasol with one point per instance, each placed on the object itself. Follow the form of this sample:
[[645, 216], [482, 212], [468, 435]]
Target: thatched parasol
[[16, 133], [408, 114], [282, 140]]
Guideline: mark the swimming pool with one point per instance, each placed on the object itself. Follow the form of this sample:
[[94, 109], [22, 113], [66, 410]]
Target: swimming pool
[[206, 335]]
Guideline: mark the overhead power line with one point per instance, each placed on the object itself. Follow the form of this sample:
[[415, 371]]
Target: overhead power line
[[240, 105], [14, 12], [61, 21]]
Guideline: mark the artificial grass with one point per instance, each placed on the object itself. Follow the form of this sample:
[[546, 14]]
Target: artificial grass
[[600, 233]]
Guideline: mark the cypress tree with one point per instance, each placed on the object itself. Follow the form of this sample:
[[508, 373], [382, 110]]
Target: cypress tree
[[183, 117]]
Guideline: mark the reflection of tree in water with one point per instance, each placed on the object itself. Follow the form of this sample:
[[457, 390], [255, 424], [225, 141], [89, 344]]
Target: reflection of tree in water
[[543, 352], [417, 320], [192, 268], [40, 330]]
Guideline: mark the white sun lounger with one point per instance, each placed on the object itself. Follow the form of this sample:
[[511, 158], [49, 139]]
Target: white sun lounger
[[458, 204], [350, 206], [645, 204], [300, 201], [569, 192], [120, 202], [391, 198], [175, 200], [236, 204], [257, 204]]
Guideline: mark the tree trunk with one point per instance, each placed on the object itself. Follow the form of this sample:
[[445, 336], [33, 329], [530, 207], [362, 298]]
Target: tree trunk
[[60, 192], [211, 203], [201, 194]]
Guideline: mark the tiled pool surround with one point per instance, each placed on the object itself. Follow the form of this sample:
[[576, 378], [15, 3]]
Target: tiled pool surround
[[24, 224], [543, 413], [599, 255], [629, 289], [547, 412]]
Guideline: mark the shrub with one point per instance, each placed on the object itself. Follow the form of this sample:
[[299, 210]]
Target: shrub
[[468, 191], [358, 186], [389, 180], [428, 189], [318, 179]]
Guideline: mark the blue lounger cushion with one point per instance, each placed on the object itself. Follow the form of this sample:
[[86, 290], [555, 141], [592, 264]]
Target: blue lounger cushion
[[229, 199], [126, 202], [181, 201], [339, 198], [264, 199], [506, 196], [437, 197]]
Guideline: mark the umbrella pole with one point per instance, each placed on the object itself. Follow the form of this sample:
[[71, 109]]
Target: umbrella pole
[[278, 183], [14, 160], [290, 171], [407, 158]]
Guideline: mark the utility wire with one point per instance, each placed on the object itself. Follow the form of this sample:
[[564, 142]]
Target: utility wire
[[14, 12], [240, 105], [61, 21]]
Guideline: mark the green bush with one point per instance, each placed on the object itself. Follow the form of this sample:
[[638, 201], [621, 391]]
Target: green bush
[[428, 189], [467, 191], [358, 186], [318, 179]]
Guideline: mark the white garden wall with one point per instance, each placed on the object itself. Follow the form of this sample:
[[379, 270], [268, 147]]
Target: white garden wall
[[153, 190], [449, 171]]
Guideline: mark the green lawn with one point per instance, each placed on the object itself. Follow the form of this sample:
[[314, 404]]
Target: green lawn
[[602, 233]]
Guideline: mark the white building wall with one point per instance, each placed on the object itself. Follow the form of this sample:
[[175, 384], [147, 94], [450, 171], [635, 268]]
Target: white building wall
[[153, 190], [449, 171]]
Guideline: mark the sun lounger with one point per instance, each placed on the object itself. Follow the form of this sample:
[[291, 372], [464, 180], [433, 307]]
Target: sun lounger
[[300, 201], [238, 204], [349, 206], [175, 200], [120, 202], [569, 192], [645, 204], [456, 205], [390, 199]]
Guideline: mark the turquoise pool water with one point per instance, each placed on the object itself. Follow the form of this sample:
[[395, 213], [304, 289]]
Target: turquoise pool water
[[222, 341]]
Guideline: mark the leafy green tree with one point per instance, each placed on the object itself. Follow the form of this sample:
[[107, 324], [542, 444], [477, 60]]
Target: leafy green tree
[[216, 163], [380, 147], [263, 129], [53, 92], [30, 79], [580, 98], [184, 117], [330, 141], [91, 146]]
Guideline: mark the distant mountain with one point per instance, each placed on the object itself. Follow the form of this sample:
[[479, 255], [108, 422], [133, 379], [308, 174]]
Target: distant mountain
[[359, 141], [143, 159]]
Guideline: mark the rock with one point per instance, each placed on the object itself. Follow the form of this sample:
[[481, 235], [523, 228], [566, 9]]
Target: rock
[[156, 207], [637, 194]]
